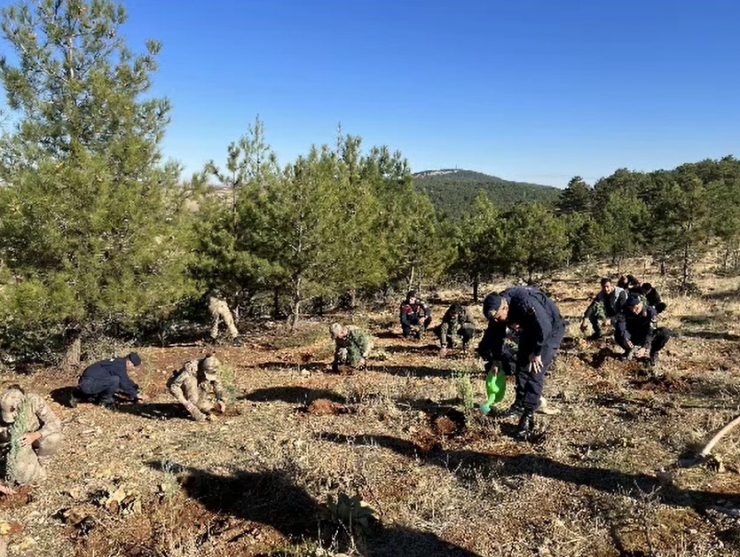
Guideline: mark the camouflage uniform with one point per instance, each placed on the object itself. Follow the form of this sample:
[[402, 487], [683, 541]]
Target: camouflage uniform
[[605, 306], [191, 384], [456, 321], [352, 348], [22, 414], [219, 310]]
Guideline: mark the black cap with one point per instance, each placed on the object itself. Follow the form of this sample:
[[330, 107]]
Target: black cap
[[632, 301], [135, 359], [491, 304]]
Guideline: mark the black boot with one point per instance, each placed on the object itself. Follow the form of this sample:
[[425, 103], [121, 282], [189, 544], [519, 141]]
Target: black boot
[[514, 411], [526, 426]]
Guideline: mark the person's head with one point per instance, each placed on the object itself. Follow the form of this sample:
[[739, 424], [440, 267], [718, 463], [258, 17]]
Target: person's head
[[10, 401], [455, 309], [607, 286], [132, 360], [622, 282], [634, 304], [337, 331], [411, 296], [632, 281], [495, 307], [646, 287], [209, 365]]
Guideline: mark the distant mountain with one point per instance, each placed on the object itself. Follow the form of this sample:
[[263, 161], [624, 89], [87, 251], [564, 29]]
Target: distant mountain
[[453, 190]]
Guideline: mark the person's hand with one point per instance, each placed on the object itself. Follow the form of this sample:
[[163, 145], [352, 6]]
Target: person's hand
[[5, 490], [583, 326], [221, 405], [142, 398], [535, 363], [30, 438], [629, 344]]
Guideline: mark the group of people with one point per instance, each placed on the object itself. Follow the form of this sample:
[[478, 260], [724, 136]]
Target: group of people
[[31, 432], [524, 331], [632, 309]]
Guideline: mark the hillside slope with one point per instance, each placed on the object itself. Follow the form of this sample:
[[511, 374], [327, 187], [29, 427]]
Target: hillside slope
[[453, 191]]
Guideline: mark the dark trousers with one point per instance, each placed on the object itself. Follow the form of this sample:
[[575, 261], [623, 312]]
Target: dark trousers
[[100, 389], [529, 385], [415, 322], [660, 307], [660, 338]]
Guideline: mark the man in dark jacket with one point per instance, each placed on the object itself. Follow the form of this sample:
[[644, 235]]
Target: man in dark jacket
[[541, 328], [102, 380], [637, 330], [414, 314], [605, 306]]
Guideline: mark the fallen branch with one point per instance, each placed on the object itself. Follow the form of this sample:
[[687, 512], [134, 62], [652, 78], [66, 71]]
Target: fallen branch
[[703, 456], [720, 434]]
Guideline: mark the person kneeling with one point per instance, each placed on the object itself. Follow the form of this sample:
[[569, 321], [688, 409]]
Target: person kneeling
[[352, 346], [193, 384], [32, 433], [637, 330]]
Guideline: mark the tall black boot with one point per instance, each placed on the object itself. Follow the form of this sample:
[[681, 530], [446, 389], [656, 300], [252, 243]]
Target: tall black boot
[[526, 425]]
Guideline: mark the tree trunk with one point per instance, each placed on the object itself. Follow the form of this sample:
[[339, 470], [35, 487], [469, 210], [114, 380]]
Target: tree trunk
[[476, 286], [411, 277], [296, 310], [353, 299], [276, 303], [686, 267], [71, 359]]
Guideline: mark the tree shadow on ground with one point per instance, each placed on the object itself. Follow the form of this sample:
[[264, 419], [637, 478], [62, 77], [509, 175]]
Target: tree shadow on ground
[[155, 410], [428, 405], [293, 395], [412, 349], [387, 334], [414, 371], [271, 498], [610, 481], [62, 395], [710, 335], [290, 366]]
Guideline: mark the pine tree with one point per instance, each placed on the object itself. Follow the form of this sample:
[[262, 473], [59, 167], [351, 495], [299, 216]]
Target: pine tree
[[90, 217]]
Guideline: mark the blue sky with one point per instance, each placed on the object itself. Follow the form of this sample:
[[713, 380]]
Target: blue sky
[[535, 90]]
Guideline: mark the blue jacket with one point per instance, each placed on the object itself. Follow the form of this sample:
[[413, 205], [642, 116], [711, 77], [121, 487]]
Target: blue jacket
[[106, 368], [638, 328], [536, 317]]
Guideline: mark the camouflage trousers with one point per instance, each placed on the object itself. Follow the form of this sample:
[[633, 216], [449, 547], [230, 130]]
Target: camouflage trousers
[[597, 315], [195, 398], [222, 313], [30, 460], [347, 356]]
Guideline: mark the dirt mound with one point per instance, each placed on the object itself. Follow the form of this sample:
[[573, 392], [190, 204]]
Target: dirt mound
[[450, 423], [21, 498], [663, 384], [324, 407]]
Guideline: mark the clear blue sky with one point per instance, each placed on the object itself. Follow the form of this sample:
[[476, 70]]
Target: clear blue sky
[[536, 90]]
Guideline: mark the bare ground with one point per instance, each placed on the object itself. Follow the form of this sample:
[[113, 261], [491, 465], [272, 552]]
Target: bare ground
[[146, 481]]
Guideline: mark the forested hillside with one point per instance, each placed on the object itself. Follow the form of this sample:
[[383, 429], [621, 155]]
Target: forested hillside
[[453, 191]]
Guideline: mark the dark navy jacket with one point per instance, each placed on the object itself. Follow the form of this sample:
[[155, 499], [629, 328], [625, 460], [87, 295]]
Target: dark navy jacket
[[411, 313], [638, 329], [536, 317], [106, 368]]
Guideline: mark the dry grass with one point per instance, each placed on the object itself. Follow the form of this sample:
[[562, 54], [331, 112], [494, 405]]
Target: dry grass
[[255, 481]]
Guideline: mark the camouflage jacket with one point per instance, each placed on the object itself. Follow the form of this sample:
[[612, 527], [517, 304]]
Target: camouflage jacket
[[357, 340], [37, 416], [192, 370]]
